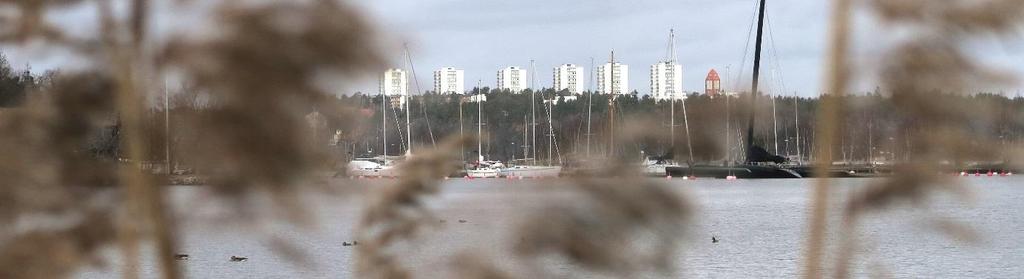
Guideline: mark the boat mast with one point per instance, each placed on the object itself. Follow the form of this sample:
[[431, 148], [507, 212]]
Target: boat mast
[[479, 122], [671, 59], [611, 105], [408, 112], [753, 86], [796, 113], [533, 110], [462, 134], [384, 123], [728, 128], [526, 139], [775, 123], [590, 104]]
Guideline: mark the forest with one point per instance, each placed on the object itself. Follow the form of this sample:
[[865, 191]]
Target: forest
[[873, 130]]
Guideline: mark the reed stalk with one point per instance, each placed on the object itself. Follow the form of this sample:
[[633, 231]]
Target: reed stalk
[[143, 200], [827, 128]]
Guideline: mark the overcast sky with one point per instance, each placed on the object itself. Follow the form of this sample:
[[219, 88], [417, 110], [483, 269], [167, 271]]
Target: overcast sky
[[482, 36]]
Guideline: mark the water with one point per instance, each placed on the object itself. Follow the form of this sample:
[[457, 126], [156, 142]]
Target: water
[[761, 225]]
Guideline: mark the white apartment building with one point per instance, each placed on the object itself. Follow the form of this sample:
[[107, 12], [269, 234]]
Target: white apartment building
[[666, 81], [395, 82], [449, 80], [512, 78], [618, 74], [569, 77]]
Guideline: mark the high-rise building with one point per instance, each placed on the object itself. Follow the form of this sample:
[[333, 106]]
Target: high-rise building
[[449, 80], [569, 77], [395, 82], [613, 79], [512, 78], [666, 81], [712, 84]]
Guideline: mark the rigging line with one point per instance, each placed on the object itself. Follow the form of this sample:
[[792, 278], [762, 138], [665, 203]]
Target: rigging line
[[782, 81], [746, 47], [398, 126], [773, 77], [423, 106], [775, 55], [551, 130]]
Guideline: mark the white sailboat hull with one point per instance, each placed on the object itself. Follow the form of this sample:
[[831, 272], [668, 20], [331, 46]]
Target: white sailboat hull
[[482, 173], [657, 170], [531, 171], [386, 171]]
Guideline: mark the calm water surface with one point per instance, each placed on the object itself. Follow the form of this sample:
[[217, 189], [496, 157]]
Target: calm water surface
[[761, 225]]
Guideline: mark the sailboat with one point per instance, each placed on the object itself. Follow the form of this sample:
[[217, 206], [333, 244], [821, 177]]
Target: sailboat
[[759, 162], [481, 168], [380, 166], [533, 170], [658, 165]]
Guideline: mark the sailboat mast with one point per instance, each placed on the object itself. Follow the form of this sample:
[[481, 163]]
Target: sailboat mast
[[611, 105], [526, 139], [590, 104], [462, 134], [533, 110], [672, 101], [728, 119], [479, 122], [796, 114], [384, 124], [753, 86], [775, 124], [408, 112]]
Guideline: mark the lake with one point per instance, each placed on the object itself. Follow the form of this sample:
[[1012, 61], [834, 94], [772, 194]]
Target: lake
[[761, 225]]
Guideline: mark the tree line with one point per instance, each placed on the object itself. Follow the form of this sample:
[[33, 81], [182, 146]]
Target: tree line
[[350, 125], [872, 130]]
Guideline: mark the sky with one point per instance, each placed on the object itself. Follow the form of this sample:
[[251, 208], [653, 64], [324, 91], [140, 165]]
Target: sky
[[483, 36]]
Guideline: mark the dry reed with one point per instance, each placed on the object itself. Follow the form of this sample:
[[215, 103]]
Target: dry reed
[[933, 58], [262, 75]]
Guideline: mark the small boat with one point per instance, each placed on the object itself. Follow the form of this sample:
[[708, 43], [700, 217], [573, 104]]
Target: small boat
[[658, 165], [372, 167], [531, 171], [485, 169]]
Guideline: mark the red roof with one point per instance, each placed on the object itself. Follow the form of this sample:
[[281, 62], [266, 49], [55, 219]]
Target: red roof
[[712, 75]]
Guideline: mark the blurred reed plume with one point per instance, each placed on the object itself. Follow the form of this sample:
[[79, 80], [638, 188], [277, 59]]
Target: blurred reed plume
[[396, 212], [260, 77], [55, 200], [624, 226], [618, 224], [78, 171], [932, 59], [259, 93]]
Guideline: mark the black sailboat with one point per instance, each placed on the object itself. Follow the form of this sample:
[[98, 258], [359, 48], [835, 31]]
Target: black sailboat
[[759, 163]]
